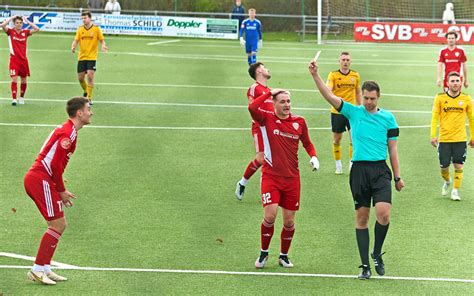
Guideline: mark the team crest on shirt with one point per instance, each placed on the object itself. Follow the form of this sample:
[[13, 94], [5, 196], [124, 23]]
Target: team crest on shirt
[[456, 54], [296, 126], [352, 79], [23, 34], [66, 143], [460, 103]]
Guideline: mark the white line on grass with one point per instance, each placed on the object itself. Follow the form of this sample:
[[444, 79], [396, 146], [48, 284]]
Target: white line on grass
[[185, 128], [252, 273], [239, 58], [29, 258], [203, 105], [163, 42], [198, 86]]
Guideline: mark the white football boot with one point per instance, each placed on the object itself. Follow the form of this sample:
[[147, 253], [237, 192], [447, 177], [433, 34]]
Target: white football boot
[[40, 276]]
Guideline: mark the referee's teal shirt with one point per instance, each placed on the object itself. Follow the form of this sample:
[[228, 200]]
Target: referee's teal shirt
[[370, 131]]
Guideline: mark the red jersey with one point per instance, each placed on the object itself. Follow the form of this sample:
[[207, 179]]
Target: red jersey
[[17, 43], [281, 138], [56, 152], [452, 60]]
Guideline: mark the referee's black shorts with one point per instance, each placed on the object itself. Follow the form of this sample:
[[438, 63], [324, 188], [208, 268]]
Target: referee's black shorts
[[455, 152], [370, 181]]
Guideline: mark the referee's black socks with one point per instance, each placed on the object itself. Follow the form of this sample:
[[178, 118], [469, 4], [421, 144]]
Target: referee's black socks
[[362, 236], [380, 232]]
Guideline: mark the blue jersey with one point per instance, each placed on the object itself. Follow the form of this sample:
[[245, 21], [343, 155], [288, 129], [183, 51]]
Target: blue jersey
[[370, 131], [252, 30]]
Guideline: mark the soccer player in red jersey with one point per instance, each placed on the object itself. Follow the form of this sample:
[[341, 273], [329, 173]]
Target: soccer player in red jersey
[[17, 38], [454, 60], [280, 186], [261, 75], [44, 184]]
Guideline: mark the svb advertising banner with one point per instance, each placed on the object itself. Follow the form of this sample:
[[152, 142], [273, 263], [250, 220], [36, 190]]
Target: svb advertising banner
[[411, 32]]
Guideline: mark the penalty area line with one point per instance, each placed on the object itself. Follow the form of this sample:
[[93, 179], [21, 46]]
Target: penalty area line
[[249, 273]]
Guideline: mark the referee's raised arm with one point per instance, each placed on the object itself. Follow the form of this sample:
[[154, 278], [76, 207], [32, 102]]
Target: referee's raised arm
[[335, 101]]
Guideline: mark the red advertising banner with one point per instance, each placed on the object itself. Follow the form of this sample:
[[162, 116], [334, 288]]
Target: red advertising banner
[[411, 32]]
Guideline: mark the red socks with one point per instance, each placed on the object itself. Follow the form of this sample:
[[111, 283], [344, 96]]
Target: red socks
[[251, 169], [266, 233], [47, 247], [286, 238], [14, 87], [22, 90]]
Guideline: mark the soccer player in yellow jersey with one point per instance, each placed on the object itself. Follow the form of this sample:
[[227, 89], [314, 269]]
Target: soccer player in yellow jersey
[[344, 83], [450, 109], [88, 37]]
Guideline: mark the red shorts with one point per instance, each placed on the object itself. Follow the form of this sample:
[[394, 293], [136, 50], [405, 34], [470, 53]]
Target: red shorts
[[282, 191], [257, 137], [43, 192], [19, 68]]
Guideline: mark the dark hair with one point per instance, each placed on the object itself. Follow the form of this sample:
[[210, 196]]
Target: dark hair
[[17, 18], [253, 69], [74, 104], [454, 73], [88, 13], [344, 53], [451, 33], [371, 85]]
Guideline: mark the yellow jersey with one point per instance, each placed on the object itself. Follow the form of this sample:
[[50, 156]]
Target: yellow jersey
[[88, 42], [451, 113], [344, 86]]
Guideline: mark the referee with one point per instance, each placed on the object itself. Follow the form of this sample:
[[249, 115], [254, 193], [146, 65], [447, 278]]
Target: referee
[[373, 129]]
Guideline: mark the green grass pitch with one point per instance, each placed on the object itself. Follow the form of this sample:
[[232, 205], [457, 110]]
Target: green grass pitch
[[152, 197]]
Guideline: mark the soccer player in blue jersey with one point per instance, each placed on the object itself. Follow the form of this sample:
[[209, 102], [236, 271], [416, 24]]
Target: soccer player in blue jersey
[[252, 28], [374, 131]]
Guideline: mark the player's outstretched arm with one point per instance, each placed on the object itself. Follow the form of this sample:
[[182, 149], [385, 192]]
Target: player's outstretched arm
[[335, 101], [393, 152]]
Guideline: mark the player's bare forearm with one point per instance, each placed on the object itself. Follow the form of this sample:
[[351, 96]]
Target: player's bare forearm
[[438, 76], [335, 101], [35, 27], [104, 47], [464, 73], [74, 45], [5, 23], [393, 152]]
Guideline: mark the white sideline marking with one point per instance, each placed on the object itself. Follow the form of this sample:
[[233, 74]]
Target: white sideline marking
[[185, 128], [29, 258], [239, 58], [199, 86], [223, 272], [204, 105], [163, 42]]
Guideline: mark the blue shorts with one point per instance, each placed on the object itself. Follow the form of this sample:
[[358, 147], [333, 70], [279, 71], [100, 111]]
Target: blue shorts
[[251, 47]]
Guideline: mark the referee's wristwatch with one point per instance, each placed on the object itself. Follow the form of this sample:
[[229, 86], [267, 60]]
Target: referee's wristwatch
[[396, 179]]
